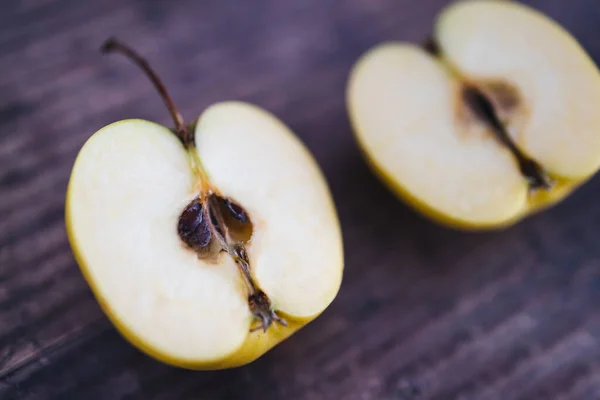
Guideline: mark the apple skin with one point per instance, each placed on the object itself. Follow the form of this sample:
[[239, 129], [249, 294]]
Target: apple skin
[[254, 346]]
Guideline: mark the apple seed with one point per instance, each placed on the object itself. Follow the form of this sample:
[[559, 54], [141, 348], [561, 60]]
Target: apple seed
[[236, 211], [193, 228]]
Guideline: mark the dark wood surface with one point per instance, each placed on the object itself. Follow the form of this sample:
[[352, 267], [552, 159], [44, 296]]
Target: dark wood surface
[[424, 312]]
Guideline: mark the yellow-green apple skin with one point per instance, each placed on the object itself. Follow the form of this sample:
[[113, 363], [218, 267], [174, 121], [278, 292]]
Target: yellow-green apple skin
[[129, 184], [414, 129]]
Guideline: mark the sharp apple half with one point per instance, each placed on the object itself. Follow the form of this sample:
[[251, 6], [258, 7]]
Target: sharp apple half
[[209, 244], [497, 118]]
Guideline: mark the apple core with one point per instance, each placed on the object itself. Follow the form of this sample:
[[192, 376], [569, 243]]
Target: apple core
[[210, 224]]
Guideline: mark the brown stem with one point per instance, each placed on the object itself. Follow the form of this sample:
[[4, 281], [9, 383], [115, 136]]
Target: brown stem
[[113, 45], [431, 46]]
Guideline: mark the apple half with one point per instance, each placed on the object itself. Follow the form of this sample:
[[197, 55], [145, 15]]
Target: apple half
[[208, 245], [496, 118]]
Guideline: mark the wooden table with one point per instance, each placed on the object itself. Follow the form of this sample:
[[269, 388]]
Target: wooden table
[[424, 312]]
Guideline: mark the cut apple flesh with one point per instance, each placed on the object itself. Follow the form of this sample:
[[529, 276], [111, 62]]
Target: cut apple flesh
[[129, 186], [558, 82], [410, 116]]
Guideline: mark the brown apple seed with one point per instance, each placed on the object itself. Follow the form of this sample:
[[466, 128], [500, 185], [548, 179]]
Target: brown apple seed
[[193, 228]]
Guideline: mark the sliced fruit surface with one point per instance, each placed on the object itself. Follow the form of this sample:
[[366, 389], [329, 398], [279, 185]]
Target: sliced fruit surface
[[497, 120], [128, 188], [556, 118], [296, 249], [409, 117]]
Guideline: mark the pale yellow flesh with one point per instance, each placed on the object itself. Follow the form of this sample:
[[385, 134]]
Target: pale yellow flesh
[[403, 104], [560, 83], [295, 251], [130, 183]]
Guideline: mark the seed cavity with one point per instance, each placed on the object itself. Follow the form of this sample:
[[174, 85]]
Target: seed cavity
[[484, 110], [216, 224], [239, 227], [494, 103], [506, 97], [236, 211]]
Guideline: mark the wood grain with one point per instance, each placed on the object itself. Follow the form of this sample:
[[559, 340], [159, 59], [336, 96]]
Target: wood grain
[[424, 312]]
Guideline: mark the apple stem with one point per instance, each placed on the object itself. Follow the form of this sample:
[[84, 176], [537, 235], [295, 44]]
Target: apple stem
[[181, 130], [431, 46], [113, 45]]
